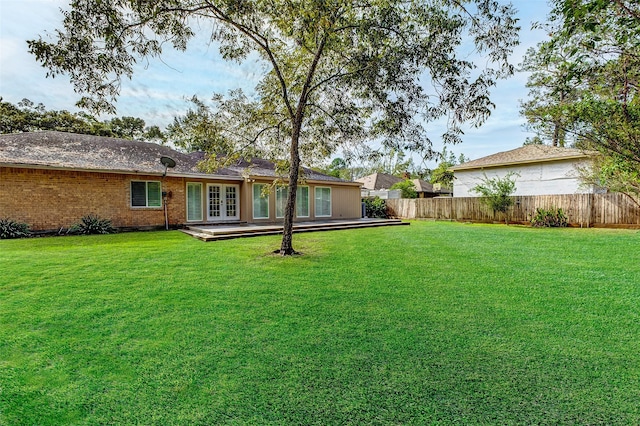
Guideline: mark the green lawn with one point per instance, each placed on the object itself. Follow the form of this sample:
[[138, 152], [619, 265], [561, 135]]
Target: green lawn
[[433, 323]]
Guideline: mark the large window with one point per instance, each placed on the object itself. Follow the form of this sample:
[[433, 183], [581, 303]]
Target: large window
[[146, 194], [323, 202], [194, 201], [302, 201], [260, 201]]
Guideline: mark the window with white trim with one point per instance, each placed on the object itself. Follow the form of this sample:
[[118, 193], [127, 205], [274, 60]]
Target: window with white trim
[[194, 201], [322, 201], [260, 201], [146, 194]]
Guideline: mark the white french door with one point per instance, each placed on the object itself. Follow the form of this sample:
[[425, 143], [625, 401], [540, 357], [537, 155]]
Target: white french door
[[222, 202]]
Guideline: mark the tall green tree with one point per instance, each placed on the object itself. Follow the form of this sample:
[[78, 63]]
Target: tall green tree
[[599, 44], [553, 84], [442, 173], [334, 70]]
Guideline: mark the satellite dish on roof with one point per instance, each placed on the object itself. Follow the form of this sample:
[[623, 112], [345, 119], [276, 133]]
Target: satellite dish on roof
[[168, 162]]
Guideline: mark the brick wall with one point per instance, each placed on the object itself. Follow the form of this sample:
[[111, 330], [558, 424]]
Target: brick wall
[[54, 199]]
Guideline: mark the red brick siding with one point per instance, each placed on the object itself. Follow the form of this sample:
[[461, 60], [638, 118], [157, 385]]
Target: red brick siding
[[54, 199]]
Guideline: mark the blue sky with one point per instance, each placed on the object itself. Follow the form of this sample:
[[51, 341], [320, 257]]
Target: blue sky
[[159, 89]]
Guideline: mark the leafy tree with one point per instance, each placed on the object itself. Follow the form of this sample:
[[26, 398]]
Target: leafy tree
[[154, 134], [496, 193], [600, 46], [127, 127], [335, 71], [12, 118], [338, 168], [29, 117], [613, 172], [407, 187], [199, 130], [442, 173], [553, 83]]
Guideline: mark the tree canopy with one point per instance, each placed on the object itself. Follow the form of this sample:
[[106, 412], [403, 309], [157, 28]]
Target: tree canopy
[[335, 71], [28, 116], [591, 92]]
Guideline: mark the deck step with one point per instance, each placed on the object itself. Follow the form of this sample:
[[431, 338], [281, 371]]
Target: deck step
[[221, 233]]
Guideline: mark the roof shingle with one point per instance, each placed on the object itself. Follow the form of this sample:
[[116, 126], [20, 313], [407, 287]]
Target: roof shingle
[[525, 154]]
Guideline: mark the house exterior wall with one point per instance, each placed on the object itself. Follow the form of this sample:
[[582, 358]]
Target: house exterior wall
[[545, 178], [48, 200], [52, 199], [345, 202]]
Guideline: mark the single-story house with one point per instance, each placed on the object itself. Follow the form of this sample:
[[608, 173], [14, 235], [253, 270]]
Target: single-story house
[[541, 170], [50, 180], [377, 183]]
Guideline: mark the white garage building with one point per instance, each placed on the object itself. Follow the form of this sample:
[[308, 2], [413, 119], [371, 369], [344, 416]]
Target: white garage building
[[541, 170]]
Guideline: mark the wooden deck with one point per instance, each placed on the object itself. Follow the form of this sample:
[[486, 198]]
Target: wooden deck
[[226, 232]]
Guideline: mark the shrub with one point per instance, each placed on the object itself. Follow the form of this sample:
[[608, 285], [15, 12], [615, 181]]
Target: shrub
[[496, 192], [407, 187], [92, 224], [375, 207], [12, 229], [554, 217]]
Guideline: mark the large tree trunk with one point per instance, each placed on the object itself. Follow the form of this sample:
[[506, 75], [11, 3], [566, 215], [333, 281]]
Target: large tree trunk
[[286, 248]]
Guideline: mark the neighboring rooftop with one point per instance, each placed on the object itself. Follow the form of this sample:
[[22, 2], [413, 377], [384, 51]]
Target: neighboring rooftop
[[377, 181], [98, 153], [525, 154]]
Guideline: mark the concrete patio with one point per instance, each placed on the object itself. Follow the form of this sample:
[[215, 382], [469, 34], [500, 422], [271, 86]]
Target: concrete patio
[[243, 230]]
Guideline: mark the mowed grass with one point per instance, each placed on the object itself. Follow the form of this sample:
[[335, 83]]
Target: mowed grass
[[433, 323]]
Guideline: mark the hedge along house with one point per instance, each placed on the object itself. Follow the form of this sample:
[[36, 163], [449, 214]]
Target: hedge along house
[[50, 180], [538, 169]]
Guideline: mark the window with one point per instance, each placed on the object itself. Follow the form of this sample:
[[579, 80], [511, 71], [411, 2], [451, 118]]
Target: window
[[260, 202], [146, 194], [302, 201], [194, 201], [323, 202], [282, 192]]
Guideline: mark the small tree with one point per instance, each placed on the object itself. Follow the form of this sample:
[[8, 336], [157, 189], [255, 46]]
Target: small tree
[[496, 193], [407, 187]]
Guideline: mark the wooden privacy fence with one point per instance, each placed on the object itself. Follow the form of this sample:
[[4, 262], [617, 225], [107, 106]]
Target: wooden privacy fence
[[613, 209]]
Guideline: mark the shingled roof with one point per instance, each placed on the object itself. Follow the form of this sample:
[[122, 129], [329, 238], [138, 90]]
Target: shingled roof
[[378, 181], [523, 155], [62, 150], [265, 168]]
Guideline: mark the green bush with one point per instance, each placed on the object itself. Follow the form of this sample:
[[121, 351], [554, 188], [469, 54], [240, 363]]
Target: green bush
[[496, 192], [554, 217], [12, 229], [92, 224], [375, 207], [407, 187]]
